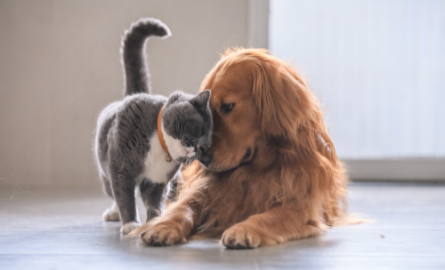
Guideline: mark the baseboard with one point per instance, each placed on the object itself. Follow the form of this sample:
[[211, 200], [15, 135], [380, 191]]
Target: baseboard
[[394, 170]]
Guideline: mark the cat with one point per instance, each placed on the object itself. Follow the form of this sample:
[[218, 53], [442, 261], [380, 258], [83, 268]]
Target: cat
[[142, 140]]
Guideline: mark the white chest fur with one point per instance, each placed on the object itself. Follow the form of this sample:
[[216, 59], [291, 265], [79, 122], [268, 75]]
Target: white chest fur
[[156, 167]]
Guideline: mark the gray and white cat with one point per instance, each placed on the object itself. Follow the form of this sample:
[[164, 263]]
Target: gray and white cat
[[128, 148]]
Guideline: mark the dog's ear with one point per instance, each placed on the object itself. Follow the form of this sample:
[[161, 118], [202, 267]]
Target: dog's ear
[[281, 98]]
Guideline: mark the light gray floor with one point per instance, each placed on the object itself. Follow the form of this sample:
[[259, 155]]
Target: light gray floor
[[64, 230]]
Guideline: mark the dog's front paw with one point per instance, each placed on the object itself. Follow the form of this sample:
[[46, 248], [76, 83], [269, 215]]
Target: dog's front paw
[[129, 227], [240, 237], [164, 234]]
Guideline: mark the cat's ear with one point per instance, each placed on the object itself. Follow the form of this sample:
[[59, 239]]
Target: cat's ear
[[201, 101]]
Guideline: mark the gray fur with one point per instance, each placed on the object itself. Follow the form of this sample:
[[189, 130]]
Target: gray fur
[[133, 54], [126, 128], [190, 117]]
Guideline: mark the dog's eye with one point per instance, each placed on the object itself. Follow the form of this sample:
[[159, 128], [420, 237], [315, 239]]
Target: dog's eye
[[226, 108]]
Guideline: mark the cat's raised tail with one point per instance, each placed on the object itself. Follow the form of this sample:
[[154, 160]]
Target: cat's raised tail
[[133, 53]]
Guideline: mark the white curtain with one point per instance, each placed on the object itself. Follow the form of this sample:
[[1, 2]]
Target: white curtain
[[378, 67]]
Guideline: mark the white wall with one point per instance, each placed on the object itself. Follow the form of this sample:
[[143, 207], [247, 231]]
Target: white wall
[[378, 67], [59, 66]]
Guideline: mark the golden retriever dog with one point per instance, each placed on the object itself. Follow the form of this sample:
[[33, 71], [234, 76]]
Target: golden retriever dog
[[271, 175]]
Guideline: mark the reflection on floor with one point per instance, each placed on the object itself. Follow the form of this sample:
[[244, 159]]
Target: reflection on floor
[[57, 229]]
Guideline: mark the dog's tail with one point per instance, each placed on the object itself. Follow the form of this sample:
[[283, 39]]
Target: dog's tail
[[133, 53]]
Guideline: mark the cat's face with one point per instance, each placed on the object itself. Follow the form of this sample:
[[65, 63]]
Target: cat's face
[[187, 125]]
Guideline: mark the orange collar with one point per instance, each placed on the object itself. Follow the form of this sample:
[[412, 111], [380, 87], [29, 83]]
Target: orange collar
[[161, 137]]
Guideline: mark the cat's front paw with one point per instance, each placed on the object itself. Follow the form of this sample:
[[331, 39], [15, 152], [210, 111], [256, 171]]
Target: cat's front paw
[[129, 227]]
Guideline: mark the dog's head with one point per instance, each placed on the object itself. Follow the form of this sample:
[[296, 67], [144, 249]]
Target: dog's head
[[257, 102]]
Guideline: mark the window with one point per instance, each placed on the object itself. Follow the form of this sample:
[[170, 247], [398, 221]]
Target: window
[[378, 67]]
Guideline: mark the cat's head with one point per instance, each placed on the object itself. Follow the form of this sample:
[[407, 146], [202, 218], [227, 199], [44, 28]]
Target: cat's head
[[187, 125]]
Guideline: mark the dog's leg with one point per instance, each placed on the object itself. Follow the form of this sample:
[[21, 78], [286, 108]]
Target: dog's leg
[[171, 228], [273, 227]]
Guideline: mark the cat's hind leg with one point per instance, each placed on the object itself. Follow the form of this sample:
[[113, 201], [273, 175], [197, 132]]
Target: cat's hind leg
[[153, 196], [123, 190], [112, 213]]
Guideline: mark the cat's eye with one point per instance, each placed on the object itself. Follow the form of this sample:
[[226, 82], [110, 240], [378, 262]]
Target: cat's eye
[[227, 107]]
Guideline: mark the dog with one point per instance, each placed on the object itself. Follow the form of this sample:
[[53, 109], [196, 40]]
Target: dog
[[271, 175]]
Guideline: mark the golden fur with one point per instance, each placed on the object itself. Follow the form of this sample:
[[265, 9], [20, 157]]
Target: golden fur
[[292, 185]]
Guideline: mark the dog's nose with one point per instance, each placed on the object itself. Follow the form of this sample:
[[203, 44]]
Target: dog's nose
[[206, 158]]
